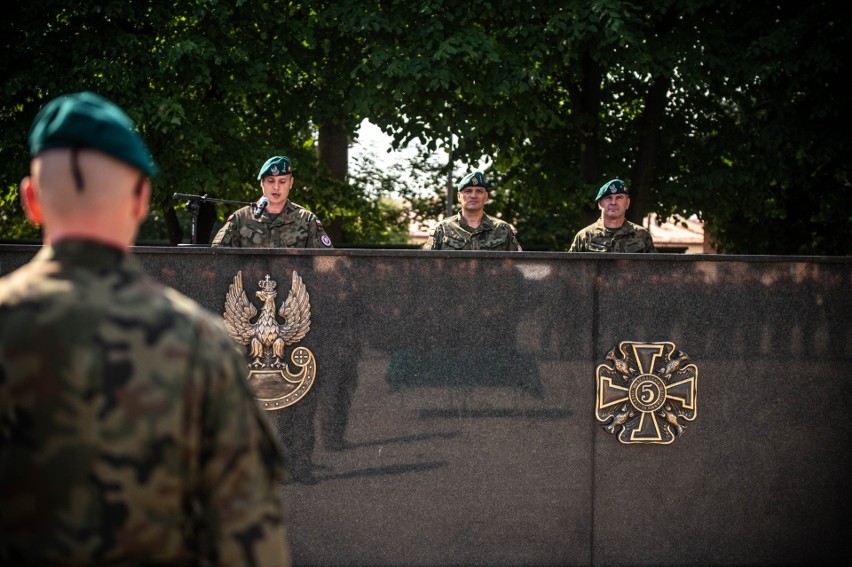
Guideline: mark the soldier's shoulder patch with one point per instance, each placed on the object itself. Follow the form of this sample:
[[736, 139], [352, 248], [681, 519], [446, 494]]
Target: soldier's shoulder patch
[[325, 240], [230, 218], [319, 222]]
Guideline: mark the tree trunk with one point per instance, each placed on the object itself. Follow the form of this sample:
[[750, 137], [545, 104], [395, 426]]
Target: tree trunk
[[333, 157], [649, 131], [649, 144], [586, 102]]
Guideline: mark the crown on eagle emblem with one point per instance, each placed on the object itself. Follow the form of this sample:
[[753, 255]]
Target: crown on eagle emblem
[[267, 285]]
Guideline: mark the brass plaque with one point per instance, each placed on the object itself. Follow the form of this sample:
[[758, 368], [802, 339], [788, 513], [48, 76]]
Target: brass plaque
[[645, 392], [270, 378]]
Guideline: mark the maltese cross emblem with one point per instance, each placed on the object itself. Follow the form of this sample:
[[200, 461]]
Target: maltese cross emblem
[[646, 392]]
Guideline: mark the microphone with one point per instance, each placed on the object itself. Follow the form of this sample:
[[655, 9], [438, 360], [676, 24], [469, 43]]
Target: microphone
[[262, 203]]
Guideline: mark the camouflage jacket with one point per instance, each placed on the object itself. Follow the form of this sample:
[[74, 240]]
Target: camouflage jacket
[[128, 434], [628, 238], [294, 227], [454, 233]]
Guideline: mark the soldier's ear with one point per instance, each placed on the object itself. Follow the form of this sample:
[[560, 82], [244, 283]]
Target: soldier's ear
[[29, 201], [142, 198]]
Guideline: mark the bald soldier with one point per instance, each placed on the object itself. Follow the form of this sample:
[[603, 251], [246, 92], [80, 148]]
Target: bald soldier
[[276, 222], [471, 228], [128, 435], [613, 232]]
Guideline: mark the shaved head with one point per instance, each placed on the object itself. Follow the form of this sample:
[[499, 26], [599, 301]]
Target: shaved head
[[110, 202]]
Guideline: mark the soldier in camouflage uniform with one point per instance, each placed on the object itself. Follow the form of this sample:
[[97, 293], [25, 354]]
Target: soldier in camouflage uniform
[[282, 224], [128, 434], [613, 232], [471, 228]]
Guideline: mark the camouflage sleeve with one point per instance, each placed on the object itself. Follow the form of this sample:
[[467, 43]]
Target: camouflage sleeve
[[578, 245], [241, 464], [317, 237], [649, 243], [436, 237], [228, 235], [513, 244]]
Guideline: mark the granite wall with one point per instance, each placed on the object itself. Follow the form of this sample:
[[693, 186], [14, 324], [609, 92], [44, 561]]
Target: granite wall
[[452, 421]]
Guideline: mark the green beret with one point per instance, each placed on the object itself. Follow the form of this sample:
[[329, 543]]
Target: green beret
[[88, 120], [277, 165], [612, 187], [473, 179]]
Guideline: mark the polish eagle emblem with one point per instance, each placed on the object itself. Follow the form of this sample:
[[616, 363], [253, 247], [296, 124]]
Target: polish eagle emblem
[[266, 339]]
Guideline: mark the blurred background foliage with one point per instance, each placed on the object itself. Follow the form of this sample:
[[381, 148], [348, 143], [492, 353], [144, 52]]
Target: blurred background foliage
[[732, 111]]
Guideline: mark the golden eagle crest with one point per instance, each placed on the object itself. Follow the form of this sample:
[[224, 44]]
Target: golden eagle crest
[[646, 391], [269, 376]]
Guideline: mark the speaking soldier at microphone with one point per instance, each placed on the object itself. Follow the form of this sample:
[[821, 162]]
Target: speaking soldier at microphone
[[274, 221]]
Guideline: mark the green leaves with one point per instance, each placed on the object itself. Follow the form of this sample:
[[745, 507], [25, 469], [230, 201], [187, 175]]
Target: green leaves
[[730, 110]]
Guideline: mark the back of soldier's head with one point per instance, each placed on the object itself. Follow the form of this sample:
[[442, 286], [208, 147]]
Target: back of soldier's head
[[105, 182]]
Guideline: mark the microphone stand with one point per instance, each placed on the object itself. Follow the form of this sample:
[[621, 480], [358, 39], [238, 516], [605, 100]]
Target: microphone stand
[[194, 203]]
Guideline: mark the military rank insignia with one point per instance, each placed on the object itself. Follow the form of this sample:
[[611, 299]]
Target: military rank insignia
[[646, 392], [274, 384]]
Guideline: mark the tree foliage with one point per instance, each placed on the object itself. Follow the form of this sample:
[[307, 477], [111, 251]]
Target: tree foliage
[[729, 110], [215, 88], [709, 108]]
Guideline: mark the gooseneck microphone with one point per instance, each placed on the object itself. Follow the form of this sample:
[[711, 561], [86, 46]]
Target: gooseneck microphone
[[262, 203]]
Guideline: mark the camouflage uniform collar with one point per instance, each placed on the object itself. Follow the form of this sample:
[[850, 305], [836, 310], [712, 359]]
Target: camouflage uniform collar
[[485, 224], [275, 218], [288, 214], [84, 253], [627, 228]]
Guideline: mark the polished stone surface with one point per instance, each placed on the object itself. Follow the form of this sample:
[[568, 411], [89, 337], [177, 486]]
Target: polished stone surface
[[452, 420]]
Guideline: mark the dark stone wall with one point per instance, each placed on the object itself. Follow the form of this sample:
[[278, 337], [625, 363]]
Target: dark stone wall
[[452, 421]]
